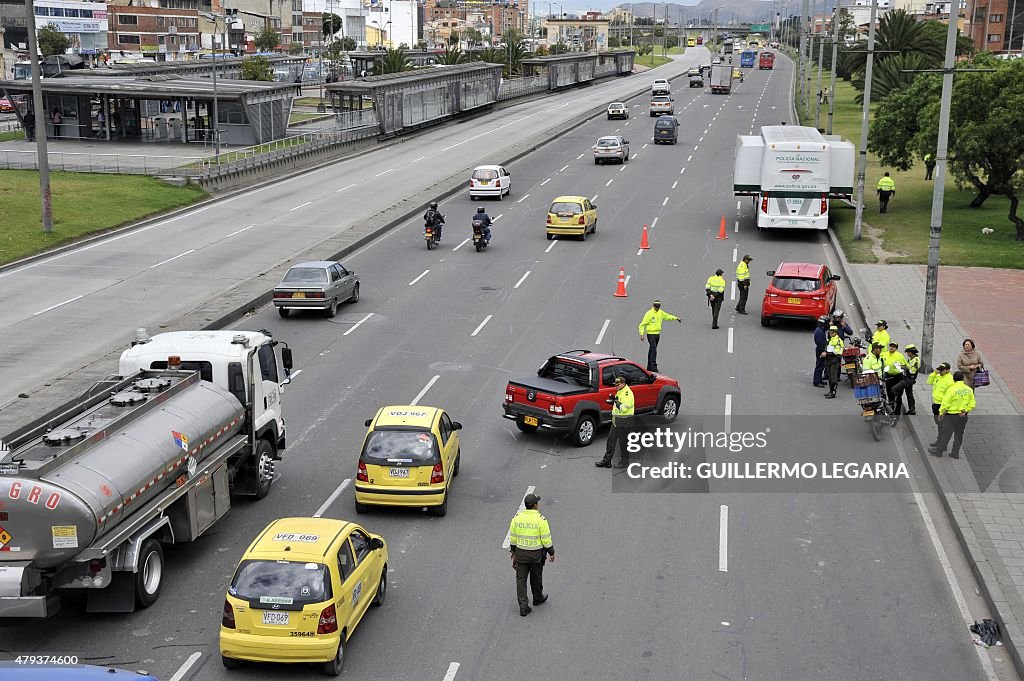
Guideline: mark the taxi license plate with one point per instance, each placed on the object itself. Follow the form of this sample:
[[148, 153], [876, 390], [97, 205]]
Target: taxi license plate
[[530, 420], [869, 412], [399, 472], [794, 301], [485, 182], [298, 294], [277, 618]]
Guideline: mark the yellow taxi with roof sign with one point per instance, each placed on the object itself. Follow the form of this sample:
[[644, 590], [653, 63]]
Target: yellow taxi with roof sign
[[299, 592], [571, 216], [409, 457]]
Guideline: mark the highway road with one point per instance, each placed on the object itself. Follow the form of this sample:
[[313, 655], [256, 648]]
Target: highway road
[[802, 585]]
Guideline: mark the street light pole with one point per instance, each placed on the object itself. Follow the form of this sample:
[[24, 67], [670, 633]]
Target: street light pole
[[862, 160], [817, 109], [835, 48], [803, 58], [43, 160]]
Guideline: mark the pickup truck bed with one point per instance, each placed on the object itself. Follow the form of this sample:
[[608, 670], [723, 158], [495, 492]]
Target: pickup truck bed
[[552, 386]]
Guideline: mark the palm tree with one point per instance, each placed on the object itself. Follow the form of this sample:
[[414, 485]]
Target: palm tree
[[890, 75], [490, 55], [514, 53], [393, 61], [452, 55], [898, 33]]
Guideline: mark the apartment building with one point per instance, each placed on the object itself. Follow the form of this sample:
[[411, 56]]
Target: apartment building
[[162, 33]]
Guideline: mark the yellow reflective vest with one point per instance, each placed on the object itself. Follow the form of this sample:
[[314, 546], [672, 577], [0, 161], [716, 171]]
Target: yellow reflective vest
[[940, 384], [894, 362], [887, 184], [529, 531], [872, 363], [835, 346], [715, 284], [881, 336], [651, 323], [625, 405], [742, 271], [959, 397]]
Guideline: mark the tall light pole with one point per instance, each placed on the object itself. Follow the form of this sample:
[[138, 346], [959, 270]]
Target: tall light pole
[[803, 58], [820, 35], [216, 118], [835, 48], [862, 159], [43, 160]]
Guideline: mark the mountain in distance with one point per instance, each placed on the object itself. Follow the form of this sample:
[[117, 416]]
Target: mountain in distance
[[688, 12]]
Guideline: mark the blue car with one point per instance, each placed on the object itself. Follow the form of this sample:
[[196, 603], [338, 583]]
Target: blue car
[[14, 671]]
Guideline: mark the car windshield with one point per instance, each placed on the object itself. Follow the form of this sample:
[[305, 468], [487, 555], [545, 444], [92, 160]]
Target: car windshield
[[396, 447], [664, 124], [565, 207], [795, 284], [572, 373], [285, 582], [607, 142], [661, 99], [306, 275], [616, 105], [484, 174]]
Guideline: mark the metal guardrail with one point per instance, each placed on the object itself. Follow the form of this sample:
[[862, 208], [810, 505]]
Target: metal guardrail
[[294, 145], [518, 87], [122, 164], [9, 126]]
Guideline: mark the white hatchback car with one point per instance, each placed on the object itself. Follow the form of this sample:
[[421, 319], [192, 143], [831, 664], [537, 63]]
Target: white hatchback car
[[490, 181]]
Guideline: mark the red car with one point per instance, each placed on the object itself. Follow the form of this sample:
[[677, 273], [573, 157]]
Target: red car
[[799, 290], [570, 393]]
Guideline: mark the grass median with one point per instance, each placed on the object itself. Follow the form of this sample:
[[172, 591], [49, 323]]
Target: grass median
[[901, 234], [83, 204], [650, 61]]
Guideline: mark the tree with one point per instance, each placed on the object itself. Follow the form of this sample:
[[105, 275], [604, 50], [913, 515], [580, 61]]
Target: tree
[[392, 61], [891, 75], [644, 49], [347, 43], [331, 24], [559, 48], [473, 36], [898, 33], [52, 41], [267, 39], [257, 68], [541, 51], [452, 55], [295, 48], [986, 132], [453, 38], [490, 55], [515, 52], [613, 42]]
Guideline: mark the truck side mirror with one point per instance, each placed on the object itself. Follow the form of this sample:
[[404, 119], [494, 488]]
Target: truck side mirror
[[286, 358]]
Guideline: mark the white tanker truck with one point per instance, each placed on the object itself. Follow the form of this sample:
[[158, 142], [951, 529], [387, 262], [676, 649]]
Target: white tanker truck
[[91, 491]]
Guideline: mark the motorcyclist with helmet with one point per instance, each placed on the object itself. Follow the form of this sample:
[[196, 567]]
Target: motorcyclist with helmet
[[433, 218], [839, 321], [485, 220]]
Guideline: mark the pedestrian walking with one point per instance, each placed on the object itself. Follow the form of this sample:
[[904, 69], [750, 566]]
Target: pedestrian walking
[[30, 126], [906, 385], [886, 190], [957, 403], [833, 360], [743, 282], [969, 361], [940, 380], [529, 537], [100, 119], [715, 290], [929, 166], [820, 341], [622, 418], [881, 334], [650, 328]]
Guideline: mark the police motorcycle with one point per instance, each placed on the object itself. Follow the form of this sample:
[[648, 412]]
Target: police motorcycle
[[480, 240], [853, 358], [432, 232], [876, 409]]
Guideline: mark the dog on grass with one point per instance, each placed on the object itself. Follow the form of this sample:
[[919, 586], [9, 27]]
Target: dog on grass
[[987, 230]]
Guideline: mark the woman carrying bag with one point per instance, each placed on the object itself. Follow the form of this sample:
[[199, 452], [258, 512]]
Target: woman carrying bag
[[971, 364]]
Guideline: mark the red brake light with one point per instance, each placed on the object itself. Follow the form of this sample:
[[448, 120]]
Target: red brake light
[[282, 295], [824, 204], [471, 183], [328, 623], [228, 619], [764, 204], [319, 294], [361, 474], [437, 475], [549, 218], [510, 395], [583, 220]]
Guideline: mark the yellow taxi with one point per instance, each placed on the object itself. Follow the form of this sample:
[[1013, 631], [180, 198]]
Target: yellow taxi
[[410, 456], [299, 592], [691, 42], [572, 216]]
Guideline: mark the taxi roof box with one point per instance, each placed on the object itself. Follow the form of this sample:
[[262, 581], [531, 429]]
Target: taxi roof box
[[747, 165]]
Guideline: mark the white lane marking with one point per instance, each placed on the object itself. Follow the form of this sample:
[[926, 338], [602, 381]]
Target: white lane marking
[[728, 413], [523, 198], [627, 122], [541, 184], [344, 188], [579, 157], [639, 252], [185, 666], [734, 254], [675, 184], [617, 129], [301, 205], [239, 231], [689, 158], [665, 202], [608, 182], [498, 217], [550, 246], [522, 279], [705, 131], [463, 243], [295, 373], [723, 539], [604, 327], [529, 490], [428, 386], [180, 255], [331, 499], [732, 291], [654, 222], [682, 171], [634, 155], [417, 159], [700, 140], [622, 167], [421, 276], [384, 173], [358, 324], [644, 146], [730, 339], [736, 226], [563, 167], [453, 669], [54, 307], [593, 198], [628, 277], [482, 325], [738, 206], [696, 146]]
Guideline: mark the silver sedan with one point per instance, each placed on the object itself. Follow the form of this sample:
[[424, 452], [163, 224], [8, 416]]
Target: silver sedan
[[318, 285], [611, 147]]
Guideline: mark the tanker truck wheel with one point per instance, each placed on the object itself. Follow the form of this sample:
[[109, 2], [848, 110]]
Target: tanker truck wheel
[[264, 469], [150, 576]]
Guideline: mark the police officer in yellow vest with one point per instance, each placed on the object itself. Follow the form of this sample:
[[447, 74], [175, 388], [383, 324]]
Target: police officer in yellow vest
[[650, 327], [529, 538], [743, 282], [939, 380], [929, 166], [715, 290], [886, 190], [622, 418], [906, 385], [833, 360], [957, 403], [893, 366]]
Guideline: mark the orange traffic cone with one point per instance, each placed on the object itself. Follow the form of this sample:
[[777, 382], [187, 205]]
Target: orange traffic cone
[[620, 292], [721, 230], [643, 239]]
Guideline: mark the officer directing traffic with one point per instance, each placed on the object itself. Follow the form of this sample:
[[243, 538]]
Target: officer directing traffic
[[743, 282], [622, 416], [529, 539], [715, 290], [650, 326]]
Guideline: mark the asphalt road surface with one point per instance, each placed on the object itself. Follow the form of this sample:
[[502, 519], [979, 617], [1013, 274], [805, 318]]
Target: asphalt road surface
[[801, 585]]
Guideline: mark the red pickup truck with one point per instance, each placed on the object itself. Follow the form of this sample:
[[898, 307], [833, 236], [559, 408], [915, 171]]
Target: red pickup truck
[[571, 390]]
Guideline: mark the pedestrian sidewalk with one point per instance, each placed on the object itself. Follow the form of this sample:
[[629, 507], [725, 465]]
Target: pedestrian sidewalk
[[983, 491]]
